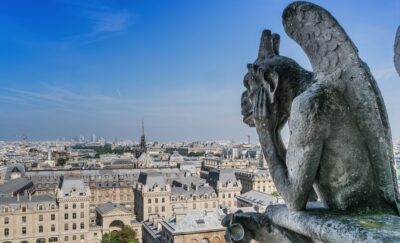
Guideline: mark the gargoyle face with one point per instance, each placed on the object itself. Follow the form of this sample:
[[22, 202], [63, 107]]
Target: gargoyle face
[[259, 80], [269, 93], [247, 108]]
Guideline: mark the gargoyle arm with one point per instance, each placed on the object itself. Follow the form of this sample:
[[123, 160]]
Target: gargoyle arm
[[294, 177]]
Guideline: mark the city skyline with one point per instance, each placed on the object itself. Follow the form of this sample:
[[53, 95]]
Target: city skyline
[[100, 67]]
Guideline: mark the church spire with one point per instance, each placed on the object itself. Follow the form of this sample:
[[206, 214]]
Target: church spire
[[142, 128], [143, 148]]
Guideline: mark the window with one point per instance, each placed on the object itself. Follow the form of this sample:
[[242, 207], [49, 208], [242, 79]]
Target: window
[[74, 237], [74, 215], [82, 215], [6, 232], [149, 201], [229, 195], [82, 237], [194, 205], [40, 207], [156, 200], [53, 239], [66, 206], [163, 200], [53, 217], [156, 209], [23, 231], [149, 210], [82, 205], [53, 228], [65, 226], [6, 220], [40, 217], [74, 226], [23, 219], [66, 238], [74, 206], [53, 207], [6, 209], [65, 216], [24, 209], [40, 228], [223, 195], [82, 225], [162, 209]]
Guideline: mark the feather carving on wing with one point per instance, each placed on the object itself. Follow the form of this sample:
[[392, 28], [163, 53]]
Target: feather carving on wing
[[335, 62]]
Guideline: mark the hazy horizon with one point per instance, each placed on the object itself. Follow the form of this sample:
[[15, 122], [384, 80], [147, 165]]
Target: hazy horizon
[[72, 68]]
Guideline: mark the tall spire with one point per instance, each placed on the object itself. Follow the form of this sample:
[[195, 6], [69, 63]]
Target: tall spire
[[142, 128], [143, 148]]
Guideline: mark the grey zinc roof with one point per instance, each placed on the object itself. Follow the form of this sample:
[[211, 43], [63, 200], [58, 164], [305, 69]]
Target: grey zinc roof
[[189, 180], [259, 198], [195, 221], [151, 178], [187, 193], [222, 175], [109, 206], [15, 185], [73, 182], [14, 168], [35, 200]]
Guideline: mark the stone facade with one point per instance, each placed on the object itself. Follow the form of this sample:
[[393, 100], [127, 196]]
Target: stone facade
[[152, 196], [191, 227], [73, 200], [259, 180], [226, 185]]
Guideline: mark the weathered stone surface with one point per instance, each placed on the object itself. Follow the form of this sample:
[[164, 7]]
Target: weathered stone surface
[[328, 226], [340, 143], [340, 140]]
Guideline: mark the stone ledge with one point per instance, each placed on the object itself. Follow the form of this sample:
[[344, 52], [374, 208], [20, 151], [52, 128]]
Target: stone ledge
[[319, 224]]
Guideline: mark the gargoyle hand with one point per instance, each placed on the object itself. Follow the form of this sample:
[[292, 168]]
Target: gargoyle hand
[[242, 227]]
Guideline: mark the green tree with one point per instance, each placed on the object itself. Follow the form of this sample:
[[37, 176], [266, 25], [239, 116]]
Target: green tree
[[61, 161], [126, 235], [276, 194]]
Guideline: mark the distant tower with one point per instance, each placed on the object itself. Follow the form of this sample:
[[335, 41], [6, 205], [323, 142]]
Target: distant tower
[[248, 139], [143, 148]]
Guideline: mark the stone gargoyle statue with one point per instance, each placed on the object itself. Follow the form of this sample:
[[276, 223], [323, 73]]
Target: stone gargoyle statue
[[340, 141]]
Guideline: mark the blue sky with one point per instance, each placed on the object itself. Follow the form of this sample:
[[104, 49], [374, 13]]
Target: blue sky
[[81, 67]]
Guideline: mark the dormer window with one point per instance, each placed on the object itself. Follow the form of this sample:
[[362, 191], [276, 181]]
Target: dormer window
[[23, 209]]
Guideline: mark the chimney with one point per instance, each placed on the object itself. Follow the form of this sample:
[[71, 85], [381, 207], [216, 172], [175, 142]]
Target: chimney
[[30, 196], [17, 197]]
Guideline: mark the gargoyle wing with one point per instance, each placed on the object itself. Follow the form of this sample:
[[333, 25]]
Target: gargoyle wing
[[336, 63]]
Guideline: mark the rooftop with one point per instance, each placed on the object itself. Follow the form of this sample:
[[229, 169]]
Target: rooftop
[[73, 183], [108, 207], [152, 178], [15, 185], [259, 198], [196, 221]]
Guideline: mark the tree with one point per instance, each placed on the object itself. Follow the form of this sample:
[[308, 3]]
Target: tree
[[61, 161], [126, 235]]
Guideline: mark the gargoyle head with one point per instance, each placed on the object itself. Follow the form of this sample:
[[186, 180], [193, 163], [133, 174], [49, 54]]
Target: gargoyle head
[[271, 82]]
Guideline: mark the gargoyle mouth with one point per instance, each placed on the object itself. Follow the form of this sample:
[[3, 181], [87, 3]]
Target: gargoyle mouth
[[248, 119], [248, 116]]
